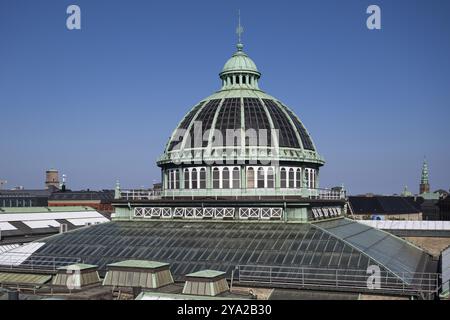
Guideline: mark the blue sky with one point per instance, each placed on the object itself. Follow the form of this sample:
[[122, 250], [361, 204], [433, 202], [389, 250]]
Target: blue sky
[[100, 103]]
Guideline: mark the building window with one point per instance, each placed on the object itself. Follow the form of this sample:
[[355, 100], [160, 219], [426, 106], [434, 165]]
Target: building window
[[261, 178], [186, 179], [236, 178], [250, 178], [291, 178], [194, 178], [216, 178], [202, 178], [313, 175], [226, 178], [270, 178], [298, 178], [307, 177], [177, 179], [173, 179], [283, 178]]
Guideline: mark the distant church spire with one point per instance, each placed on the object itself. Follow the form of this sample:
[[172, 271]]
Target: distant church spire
[[424, 182]]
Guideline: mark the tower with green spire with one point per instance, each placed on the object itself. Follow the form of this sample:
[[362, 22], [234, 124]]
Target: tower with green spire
[[424, 183]]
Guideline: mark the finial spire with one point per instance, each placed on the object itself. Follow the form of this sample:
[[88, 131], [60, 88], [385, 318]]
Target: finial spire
[[239, 31], [424, 182], [424, 178]]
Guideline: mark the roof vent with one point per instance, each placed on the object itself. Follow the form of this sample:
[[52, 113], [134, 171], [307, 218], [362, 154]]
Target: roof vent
[[63, 228], [76, 276], [138, 274], [205, 283]]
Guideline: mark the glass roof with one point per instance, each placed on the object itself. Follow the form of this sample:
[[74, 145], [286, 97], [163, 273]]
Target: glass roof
[[195, 246], [394, 253]]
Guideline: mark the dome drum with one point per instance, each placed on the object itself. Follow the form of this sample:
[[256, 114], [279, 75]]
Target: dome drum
[[241, 180]]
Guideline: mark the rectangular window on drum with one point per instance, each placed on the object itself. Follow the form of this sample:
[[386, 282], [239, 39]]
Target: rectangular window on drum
[[236, 178], [250, 178], [298, 178], [226, 178], [202, 178], [194, 178], [270, 178], [186, 179], [261, 178], [291, 178], [216, 178], [177, 179], [283, 176]]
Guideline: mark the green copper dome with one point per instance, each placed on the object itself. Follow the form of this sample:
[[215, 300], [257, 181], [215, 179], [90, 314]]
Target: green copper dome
[[240, 62], [242, 108], [240, 142]]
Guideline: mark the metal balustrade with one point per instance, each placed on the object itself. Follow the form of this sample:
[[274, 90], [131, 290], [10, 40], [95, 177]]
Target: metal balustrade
[[137, 194], [209, 213], [405, 283], [321, 194], [26, 262]]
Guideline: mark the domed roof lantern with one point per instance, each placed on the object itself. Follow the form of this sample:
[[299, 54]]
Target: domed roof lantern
[[240, 71]]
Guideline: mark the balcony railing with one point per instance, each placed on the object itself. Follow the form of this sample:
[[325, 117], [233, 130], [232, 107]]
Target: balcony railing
[[425, 285], [25, 261], [320, 194], [137, 194]]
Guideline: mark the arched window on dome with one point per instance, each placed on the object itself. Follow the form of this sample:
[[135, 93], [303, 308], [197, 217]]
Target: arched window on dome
[[261, 177], [226, 178], [236, 178], [250, 178], [270, 178], [283, 180], [202, 178], [298, 178], [186, 179], [291, 178], [216, 178], [194, 178]]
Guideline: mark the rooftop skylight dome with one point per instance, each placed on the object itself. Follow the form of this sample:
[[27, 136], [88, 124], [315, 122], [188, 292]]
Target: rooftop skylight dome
[[240, 141]]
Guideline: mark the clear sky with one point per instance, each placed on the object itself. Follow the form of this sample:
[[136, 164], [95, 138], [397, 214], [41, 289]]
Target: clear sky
[[100, 103]]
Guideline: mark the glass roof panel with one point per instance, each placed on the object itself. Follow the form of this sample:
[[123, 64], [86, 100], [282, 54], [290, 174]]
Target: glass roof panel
[[287, 137], [306, 139], [184, 125], [191, 246]]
